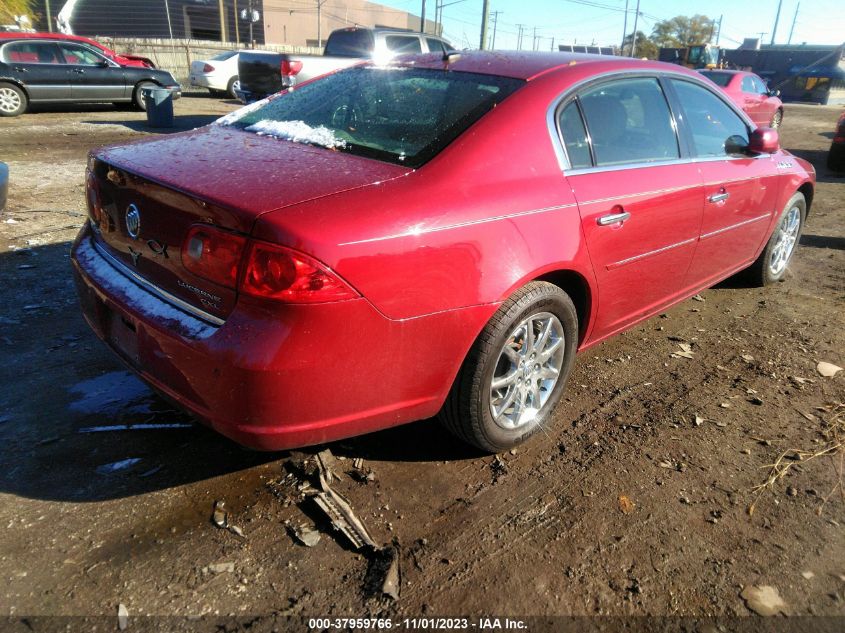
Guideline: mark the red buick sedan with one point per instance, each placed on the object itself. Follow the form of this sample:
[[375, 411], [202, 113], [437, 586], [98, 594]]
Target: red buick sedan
[[750, 93], [438, 235], [123, 60]]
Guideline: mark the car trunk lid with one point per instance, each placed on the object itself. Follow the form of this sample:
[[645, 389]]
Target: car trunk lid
[[153, 192]]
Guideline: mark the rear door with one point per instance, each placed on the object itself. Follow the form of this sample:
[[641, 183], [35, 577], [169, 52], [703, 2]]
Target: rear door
[[753, 100], [93, 77], [40, 67], [640, 202], [740, 191]]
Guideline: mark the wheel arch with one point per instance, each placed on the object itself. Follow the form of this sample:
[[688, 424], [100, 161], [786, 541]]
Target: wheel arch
[[808, 192], [16, 83], [578, 288]]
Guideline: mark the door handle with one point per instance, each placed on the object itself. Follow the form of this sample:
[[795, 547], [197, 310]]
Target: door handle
[[613, 218], [79, 71], [20, 69], [719, 197]]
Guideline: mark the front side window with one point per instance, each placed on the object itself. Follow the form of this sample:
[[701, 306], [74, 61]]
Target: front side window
[[434, 46], [629, 121], [574, 134], [711, 121], [31, 53], [396, 114], [350, 43], [79, 55], [400, 44], [759, 86]]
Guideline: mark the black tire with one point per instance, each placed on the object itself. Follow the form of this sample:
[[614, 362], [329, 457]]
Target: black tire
[[230, 88], [13, 100], [777, 119], [836, 157], [138, 98], [762, 272], [467, 411]]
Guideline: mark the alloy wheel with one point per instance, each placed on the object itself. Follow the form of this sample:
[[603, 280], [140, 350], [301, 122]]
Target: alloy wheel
[[527, 370], [10, 100], [787, 236]]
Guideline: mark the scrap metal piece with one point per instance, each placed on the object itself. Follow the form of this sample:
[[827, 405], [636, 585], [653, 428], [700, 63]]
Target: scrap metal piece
[[342, 516]]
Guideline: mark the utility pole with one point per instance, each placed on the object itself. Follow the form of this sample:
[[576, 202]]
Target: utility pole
[[624, 30], [553, 45], [224, 37], [319, 23], [719, 30], [485, 17], [777, 17], [495, 24], [761, 33], [634, 39], [519, 37], [49, 17], [534, 41], [237, 26], [251, 40], [794, 19], [422, 17]]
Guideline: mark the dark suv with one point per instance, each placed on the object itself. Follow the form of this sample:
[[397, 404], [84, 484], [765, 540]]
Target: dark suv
[[49, 71]]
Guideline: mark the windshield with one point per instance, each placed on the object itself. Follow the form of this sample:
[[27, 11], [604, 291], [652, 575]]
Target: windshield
[[223, 56], [400, 115], [720, 79]]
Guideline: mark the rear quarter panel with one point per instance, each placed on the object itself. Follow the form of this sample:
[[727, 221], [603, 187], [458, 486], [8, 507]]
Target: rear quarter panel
[[487, 215]]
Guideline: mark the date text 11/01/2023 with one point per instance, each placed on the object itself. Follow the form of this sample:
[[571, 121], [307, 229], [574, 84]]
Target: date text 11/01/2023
[[482, 624]]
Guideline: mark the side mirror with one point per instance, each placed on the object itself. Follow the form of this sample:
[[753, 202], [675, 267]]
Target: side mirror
[[764, 140], [103, 64]]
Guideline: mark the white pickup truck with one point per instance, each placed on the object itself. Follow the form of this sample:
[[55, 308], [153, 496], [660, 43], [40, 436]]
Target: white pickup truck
[[262, 73]]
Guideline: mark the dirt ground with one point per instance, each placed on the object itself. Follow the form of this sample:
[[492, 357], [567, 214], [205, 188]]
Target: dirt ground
[[635, 503]]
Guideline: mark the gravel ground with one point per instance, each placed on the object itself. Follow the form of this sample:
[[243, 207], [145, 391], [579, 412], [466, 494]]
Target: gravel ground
[[634, 503]]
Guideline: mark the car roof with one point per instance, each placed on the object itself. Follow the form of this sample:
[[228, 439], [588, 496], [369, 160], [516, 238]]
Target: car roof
[[528, 64]]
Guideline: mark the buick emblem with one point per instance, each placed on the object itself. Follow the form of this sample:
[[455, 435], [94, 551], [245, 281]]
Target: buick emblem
[[133, 221]]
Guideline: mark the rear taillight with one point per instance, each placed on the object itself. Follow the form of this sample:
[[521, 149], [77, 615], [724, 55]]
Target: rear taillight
[[275, 272], [213, 254], [208, 68], [291, 68], [95, 205], [267, 270]]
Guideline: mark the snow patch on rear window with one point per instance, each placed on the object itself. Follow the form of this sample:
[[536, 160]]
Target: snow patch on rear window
[[128, 293], [237, 114], [298, 132]]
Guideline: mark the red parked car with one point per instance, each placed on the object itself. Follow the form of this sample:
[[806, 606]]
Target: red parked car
[[750, 93], [836, 154], [436, 235], [123, 60]]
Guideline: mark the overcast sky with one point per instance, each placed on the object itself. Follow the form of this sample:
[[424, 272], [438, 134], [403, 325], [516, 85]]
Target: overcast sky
[[574, 21]]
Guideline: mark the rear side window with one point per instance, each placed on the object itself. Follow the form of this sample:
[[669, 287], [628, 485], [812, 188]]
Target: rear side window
[[400, 44], [222, 57], [574, 135], [352, 43], [629, 121], [32, 53], [709, 119]]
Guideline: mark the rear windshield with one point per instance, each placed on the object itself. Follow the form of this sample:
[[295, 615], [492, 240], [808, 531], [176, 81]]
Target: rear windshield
[[720, 79], [352, 43], [222, 57], [400, 115]]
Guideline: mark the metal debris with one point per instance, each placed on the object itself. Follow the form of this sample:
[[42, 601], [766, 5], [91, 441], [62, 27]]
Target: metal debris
[[383, 577], [828, 370], [697, 298], [686, 351], [307, 535], [748, 358], [221, 568], [220, 518], [326, 463], [122, 617], [763, 600], [343, 519], [392, 582]]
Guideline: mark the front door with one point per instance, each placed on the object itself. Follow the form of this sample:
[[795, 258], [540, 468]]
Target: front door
[[640, 205], [93, 77], [740, 191]]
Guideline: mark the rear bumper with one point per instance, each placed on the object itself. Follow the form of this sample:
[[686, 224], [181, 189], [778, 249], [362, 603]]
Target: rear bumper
[[279, 376]]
